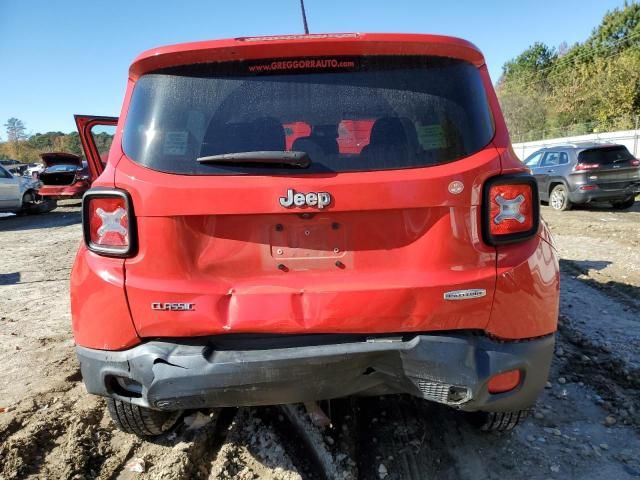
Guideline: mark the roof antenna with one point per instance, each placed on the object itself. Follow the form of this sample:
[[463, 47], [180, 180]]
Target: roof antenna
[[304, 18]]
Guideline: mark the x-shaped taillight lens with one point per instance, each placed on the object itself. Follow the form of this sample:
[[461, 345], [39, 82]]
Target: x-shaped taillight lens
[[512, 208], [114, 222], [107, 222]]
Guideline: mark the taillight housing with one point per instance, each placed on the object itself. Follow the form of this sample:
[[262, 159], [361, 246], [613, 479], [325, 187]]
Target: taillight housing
[[511, 209], [581, 167], [108, 222], [635, 162]]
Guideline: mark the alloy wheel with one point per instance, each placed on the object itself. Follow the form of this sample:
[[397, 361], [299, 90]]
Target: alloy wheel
[[557, 199]]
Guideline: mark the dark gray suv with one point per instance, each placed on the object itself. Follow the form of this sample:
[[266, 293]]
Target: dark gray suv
[[586, 172]]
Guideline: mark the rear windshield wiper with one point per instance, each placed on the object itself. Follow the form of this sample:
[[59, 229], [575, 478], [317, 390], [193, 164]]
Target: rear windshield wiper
[[260, 158]]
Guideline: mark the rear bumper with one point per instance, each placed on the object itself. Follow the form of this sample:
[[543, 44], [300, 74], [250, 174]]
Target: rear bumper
[[62, 192], [599, 195], [213, 372]]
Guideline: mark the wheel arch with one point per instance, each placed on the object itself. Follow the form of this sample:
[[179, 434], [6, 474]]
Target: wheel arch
[[554, 182], [28, 191]]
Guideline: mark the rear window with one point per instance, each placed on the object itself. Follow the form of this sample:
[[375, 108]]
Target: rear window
[[366, 113], [605, 155]]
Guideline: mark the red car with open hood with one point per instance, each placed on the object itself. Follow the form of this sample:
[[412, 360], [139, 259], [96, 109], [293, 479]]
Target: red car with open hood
[[66, 175], [392, 244]]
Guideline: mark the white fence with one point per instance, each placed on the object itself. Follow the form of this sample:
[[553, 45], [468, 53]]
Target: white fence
[[628, 138]]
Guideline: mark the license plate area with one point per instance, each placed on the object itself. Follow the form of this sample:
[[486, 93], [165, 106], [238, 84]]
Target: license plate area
[[309, 244], [614, 185]]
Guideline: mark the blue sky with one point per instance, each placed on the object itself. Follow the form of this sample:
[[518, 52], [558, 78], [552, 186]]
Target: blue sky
[[64, 57]]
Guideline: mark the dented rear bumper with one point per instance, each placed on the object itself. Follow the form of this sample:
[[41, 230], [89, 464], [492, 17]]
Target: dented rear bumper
[[238, 370], [64, 192]]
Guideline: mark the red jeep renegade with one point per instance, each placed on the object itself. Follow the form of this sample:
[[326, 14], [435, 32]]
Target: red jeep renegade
[[223, 265]]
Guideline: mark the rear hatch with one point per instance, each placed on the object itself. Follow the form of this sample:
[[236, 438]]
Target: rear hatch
[[371, 237], [60, 168], [610, 167]]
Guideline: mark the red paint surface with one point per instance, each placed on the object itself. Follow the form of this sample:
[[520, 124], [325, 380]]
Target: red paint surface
[[100, 314], [295, 46], [403, 240]]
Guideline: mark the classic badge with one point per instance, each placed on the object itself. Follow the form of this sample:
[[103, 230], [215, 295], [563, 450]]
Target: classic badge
[[174, 307]]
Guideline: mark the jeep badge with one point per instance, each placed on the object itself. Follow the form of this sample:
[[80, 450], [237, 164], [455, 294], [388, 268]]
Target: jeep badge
[[312, 199]]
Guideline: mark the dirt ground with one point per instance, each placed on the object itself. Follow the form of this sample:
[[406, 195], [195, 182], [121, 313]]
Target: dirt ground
[[586, 424]]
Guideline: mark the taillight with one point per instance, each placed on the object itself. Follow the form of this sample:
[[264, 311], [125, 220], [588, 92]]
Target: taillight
[[635, 162], [586, 166], [108, 222], [511, 210]]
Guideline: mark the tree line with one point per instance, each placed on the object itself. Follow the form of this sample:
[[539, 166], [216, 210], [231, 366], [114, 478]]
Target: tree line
[[569, 90], [27, 148]]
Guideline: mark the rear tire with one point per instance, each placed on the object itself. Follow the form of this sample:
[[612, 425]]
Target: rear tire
[[45, 205], [624, 204], [498, 421], [140, 421], [32, 203], [559, 198]]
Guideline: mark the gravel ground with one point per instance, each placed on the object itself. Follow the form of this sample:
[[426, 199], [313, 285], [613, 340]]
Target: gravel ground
[[586, 424]]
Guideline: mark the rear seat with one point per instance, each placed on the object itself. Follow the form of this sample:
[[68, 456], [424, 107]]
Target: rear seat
[[322, 142], [391, 137], [262, 134]]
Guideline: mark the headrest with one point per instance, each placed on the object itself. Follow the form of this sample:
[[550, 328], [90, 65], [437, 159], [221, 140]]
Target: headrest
[[260, 134], [392, 131], [326, 131]]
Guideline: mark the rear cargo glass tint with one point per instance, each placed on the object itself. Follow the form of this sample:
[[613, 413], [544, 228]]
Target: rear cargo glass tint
[[356, 114], [605, 155]]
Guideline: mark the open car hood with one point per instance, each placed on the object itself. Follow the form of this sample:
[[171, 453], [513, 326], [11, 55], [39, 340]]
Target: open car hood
[[60, 158]]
